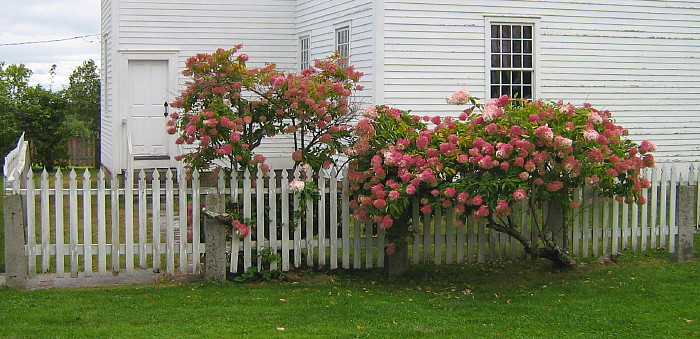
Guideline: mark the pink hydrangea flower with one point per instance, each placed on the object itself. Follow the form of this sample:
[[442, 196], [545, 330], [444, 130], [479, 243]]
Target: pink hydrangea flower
[[459, 97], [481, 212], [393, 195], [595, 118], [225, 149], [590, 135], [647, 146], [477, 200], [380, 203], [410, 189], [502, 209], [519, 195], [211, 122], [370, 112], [297, 185], [544, 132], [555, 186], [462, 197]]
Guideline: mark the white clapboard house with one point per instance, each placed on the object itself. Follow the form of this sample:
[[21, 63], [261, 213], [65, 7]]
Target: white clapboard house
[[637, 58]]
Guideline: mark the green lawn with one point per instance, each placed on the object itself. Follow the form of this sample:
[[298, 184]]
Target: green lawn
[[2, 227], [643, 296]]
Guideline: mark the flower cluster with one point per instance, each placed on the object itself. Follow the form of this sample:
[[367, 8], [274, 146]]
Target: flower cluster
[[297, 186], [484, 162], [228, 108]]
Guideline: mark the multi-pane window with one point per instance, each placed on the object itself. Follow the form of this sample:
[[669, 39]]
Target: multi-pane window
[[512, 64], [304, 52], [342, 42]]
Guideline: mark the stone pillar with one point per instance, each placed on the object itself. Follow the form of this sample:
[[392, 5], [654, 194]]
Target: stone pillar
[[215, 239], [685, 219], [16, 265]]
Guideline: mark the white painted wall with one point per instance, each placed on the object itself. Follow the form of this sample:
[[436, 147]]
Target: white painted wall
[[185, 28], [107, 83], [319, 19], [637, 58]]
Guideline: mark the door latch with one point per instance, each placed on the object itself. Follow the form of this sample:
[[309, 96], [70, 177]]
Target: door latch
[[165, 105]]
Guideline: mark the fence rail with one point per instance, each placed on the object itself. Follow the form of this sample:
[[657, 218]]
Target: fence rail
[[84, 224]]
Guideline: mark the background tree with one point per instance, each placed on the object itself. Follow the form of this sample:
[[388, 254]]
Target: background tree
[[83, 100], [42, 115], [13, 83]]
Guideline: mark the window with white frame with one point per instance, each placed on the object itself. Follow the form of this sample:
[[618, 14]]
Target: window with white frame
[[342, 42], [512, 64], [304, 52]]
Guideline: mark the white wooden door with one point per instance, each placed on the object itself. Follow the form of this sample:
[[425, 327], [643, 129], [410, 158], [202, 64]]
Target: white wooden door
[[148, 91]]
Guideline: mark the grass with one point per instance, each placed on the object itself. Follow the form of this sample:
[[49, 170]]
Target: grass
[[2, 227], [644, 296]]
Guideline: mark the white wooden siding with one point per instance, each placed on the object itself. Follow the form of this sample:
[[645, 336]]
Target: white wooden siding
[[320, 18], [187, 27], [637, 58], [107, 81], [264, 27]]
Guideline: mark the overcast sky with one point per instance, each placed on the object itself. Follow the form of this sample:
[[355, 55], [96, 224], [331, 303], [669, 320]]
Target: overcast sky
[[38, 20]]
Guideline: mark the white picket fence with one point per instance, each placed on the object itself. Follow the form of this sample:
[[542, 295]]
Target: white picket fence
[[83, 224], [16, 160]]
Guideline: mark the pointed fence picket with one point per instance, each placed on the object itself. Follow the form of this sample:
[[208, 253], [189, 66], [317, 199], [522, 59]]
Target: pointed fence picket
[[150, 220]]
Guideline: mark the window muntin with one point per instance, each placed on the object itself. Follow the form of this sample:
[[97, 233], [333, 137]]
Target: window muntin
[[304, 52], [512, 60], [342, 42]]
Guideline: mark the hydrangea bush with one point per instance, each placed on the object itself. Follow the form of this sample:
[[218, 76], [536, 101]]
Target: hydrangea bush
[[486, 161], [228, 108]]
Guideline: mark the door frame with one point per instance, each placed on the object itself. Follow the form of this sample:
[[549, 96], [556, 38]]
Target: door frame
[[124, 115]]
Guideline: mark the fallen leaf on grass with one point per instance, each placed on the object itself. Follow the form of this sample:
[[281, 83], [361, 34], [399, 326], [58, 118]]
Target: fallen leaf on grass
[[283, 300], [281, 328], [360, 326], [689, 320]]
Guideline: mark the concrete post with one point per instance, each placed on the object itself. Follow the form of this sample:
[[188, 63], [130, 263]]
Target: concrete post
[[685, 219], [215, 239], [556, 223], [16, 265]]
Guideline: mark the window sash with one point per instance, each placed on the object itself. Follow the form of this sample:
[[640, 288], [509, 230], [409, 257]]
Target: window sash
[[342, 41], [511, 47], [304, 52]]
